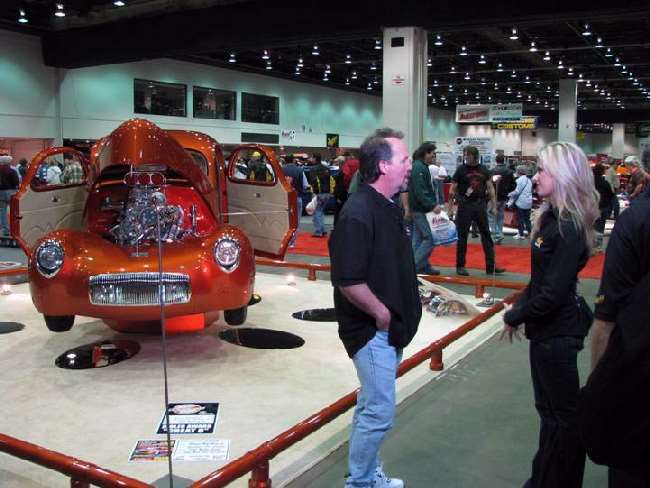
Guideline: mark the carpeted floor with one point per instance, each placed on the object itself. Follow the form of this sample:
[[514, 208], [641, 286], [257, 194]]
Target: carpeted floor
[[514, 259]]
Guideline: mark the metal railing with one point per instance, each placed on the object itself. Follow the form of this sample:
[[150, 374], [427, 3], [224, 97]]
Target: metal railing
[[82, 474]]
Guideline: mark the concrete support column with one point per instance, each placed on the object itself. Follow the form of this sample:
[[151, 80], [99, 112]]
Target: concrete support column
[[568, 111], [618, 141], [404, 100]]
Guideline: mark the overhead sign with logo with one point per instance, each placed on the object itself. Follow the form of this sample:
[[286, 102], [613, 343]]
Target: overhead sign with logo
[[332, 140], [484, 114], [522, 123]]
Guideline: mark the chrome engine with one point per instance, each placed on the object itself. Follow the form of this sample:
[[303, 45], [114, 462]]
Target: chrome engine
[[146, 204]]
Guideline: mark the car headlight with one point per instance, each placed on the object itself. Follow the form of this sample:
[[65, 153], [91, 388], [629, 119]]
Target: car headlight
[[49, 257], [226, 254]]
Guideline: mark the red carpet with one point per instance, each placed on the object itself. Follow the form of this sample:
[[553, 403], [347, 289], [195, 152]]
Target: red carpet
[[514, 259]]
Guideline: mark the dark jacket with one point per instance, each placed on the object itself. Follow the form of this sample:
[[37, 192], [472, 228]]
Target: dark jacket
[[604, 189], [548, 305], [421, 196], [8, 178], [319, 179], [505, 184]]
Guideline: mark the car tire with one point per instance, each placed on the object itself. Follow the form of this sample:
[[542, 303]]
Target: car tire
[[235, 317], [59, 323]]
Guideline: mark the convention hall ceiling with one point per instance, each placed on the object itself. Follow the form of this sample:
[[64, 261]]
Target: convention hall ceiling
[[473, 54]]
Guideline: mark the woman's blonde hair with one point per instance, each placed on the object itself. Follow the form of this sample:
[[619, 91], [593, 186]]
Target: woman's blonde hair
[[574, 196]]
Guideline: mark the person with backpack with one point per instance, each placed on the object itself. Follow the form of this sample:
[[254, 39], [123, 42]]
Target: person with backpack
[[555, 317], [504, 183], [521, 198], [321, 186], [298, 180], [615, 402]]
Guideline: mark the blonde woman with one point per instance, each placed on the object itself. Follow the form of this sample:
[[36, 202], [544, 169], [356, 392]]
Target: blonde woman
[[561, 244]]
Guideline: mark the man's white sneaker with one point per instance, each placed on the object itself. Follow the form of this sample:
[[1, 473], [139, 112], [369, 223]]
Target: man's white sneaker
[[383, 481], [517, 237]]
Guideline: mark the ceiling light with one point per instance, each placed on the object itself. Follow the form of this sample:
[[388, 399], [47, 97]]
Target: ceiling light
[[513, 74], [429, 62], [325, 78], [23, 18], [369, 87], [588, 83], [518, 94], [560, 65], [438, 41], [265, 55], [537, 101], [483, 82], [482, 59], [547, 56], [354, 75], [609, 52], [119, 3], [463, 51], [465, 91], [314, 50], [435, 83], [586, 32], [467, 77], [617, 62], [451, 88], [527, 79], [500, 67], [452, 70], [377, 44], [347, 81], [513, 34], [496, 86], [373, 67], [533, 48], [60, 12], [300, 63], [624, 69], [232, 58], [348, 59], [327, 69], [268, 65], [599, 42]]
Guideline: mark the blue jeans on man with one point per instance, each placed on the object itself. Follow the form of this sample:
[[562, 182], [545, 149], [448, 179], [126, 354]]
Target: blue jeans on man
[[496, 221], [422, 242], [376, 364], [318, 218], [5, 196]]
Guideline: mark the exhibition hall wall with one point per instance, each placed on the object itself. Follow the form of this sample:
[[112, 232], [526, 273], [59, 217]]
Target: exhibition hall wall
[[93, 101]]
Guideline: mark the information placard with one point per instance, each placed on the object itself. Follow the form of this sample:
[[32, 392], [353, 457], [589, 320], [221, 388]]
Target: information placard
[[190, 418]]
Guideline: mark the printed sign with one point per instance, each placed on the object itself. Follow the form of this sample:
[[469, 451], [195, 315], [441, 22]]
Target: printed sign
[[482, 114], [202, 450], [150, 450], [522, 123], [332, 140], [190, 418], [483, 144], [398, 79]]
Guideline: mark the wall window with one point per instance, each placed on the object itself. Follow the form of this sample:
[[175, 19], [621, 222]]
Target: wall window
[[157, 98], [260, 108], [214, 104]]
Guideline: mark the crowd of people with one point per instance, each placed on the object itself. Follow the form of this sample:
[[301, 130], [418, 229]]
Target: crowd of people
[[378, 317]]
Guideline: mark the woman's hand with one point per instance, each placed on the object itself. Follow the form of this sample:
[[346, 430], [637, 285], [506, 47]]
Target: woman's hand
[[508, 330]]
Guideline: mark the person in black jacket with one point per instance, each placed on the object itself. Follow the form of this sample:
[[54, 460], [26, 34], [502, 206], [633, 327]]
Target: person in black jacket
[[606, 194], [561, 240]]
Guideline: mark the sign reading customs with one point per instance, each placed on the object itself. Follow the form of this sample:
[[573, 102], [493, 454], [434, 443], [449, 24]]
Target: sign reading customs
[[332, 140], [522, 123]]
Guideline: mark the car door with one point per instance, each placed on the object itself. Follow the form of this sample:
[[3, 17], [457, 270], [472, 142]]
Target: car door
[[52, 196], [260, 200]]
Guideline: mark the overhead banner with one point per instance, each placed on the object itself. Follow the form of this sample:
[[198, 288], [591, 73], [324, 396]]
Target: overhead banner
[[484, 114], [483, 144], [522, 123]]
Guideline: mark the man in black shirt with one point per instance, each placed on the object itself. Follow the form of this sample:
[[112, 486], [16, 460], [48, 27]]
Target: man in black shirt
[[375, 296], [504, 180], [471, 187]]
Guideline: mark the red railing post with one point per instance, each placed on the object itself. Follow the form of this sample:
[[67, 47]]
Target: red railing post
[[436, 363], [78, 484], [260, 476], [311, 274], [479, 290]]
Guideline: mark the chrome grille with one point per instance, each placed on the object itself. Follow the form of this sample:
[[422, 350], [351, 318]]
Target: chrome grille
[[139, 289]]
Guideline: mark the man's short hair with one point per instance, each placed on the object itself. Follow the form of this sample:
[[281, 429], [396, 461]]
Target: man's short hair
[[67, 155], [472, 150], [423, 150], [374, 149], [500, 159]]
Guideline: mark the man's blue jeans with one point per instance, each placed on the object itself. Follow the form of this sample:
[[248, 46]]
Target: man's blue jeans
[[376, 365], [5, 196], [319, 214], [422, 242], [496, 221]]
